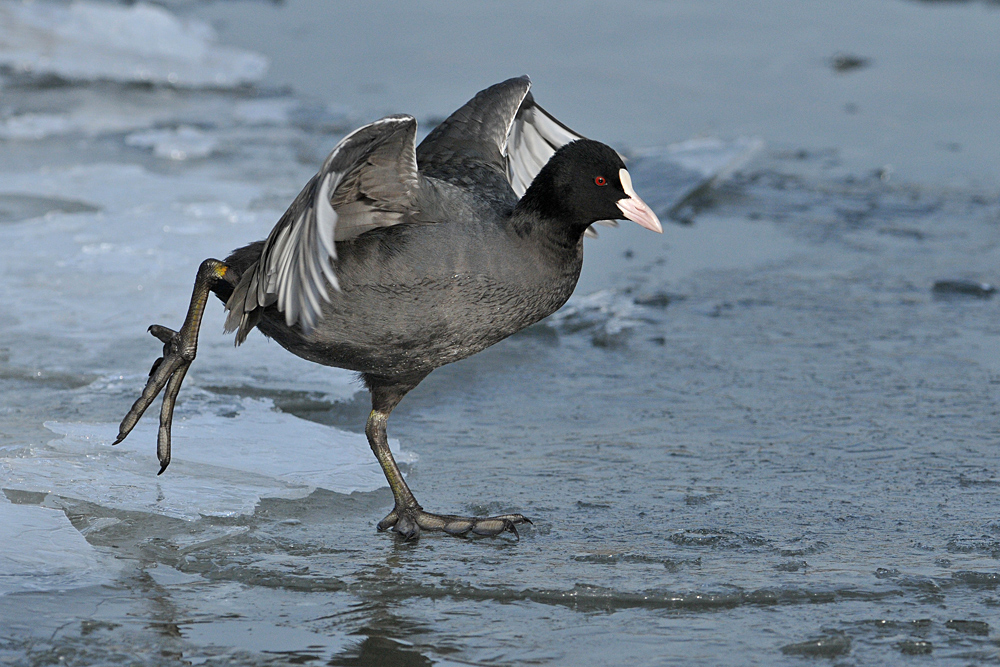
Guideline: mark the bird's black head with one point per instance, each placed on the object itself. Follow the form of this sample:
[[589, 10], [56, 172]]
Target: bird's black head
[[586, 181]]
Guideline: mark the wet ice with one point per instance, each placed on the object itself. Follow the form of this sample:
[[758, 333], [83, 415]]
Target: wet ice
[[761, 430], [43, 551], [222, 465]]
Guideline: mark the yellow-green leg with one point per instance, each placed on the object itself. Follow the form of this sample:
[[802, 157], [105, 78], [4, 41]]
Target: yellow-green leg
[[179, 350], [407, 517]]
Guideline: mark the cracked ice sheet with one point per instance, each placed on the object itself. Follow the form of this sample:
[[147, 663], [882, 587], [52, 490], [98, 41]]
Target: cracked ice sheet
[[91, 41], [222, 465], [81, 283], [42, 551]]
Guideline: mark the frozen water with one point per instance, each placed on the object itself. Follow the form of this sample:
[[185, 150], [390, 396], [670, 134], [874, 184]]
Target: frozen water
[[93, 111], [752, 431], [222, 465], [60, 275], [672, 173], [274, 111], [606, 315], [62, 272], [42, 551], [713, 158], [99, 41], [178, 144], [36, 126]]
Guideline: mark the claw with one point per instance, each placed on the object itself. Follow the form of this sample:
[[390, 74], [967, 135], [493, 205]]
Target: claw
[[167, 373], [389, 521]]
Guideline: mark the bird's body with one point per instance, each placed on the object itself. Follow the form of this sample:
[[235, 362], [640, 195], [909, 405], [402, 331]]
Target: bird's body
[[392, 316], [396, 259]]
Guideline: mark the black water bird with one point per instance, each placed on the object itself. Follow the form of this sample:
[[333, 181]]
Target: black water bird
[[396, 259]]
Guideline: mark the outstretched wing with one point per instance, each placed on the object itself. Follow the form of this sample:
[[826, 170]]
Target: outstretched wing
[[501, 134], [468, 148], [534, 137], [369, 180]]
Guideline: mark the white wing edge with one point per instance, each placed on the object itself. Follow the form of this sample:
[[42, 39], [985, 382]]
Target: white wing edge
[[299, 255], [532, 139]]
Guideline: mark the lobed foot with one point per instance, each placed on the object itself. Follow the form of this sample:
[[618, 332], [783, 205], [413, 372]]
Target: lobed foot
[[408, 522], [179, 349], [167, 371]]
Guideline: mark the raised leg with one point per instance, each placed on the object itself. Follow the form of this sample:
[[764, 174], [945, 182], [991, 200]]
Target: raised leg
[[179, 349], [408, 517]]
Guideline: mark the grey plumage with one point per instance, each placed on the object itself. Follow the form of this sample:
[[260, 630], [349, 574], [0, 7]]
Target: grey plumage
[[371, 179]]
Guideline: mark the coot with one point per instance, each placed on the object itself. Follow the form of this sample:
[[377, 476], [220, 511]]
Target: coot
[[396, 259]]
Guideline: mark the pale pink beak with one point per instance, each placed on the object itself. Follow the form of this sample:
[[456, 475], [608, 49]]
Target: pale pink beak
[[634, 208]]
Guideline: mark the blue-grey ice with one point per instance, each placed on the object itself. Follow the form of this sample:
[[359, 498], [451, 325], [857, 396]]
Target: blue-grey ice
[[43, 551], [760, 430]]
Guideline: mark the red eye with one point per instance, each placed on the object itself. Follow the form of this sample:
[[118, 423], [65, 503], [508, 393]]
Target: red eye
[[600, 180]]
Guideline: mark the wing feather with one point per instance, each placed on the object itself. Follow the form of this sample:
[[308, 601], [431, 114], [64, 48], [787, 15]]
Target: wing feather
[[534, 137], [371, 175], [468, 148]]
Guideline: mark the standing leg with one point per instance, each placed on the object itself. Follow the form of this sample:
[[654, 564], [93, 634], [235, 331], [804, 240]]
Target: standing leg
[[408, 517], [179, 349]]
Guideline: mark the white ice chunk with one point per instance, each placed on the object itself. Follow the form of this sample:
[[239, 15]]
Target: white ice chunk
[[93, 112], [35, 126], [175, 144], [222, 465], [665, 177], [102, 41], [269, 111], [712, 157], [606, 315], [42, 551]]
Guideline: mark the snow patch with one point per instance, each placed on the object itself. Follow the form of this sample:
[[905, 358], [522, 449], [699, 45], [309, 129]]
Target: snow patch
[[176, 144], [142, 43]]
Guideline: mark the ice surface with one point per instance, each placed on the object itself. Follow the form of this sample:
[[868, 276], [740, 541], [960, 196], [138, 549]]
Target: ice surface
[[36, 126], [665, 176], [77, 284], [607, 315], [273, 111], [79, 280], [140, 43], [94, 111], [222, 464], [42, 551], [177, 144], [711, 157], [818, 421]]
